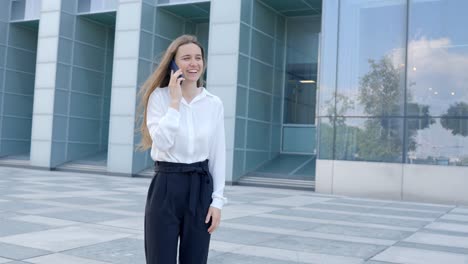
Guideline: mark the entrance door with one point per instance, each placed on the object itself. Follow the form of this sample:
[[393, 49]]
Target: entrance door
[[300, 90], [296, 160]]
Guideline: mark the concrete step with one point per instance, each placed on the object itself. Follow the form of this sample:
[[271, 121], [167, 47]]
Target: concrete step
[[79, 167], [14, 162], [277, 183]]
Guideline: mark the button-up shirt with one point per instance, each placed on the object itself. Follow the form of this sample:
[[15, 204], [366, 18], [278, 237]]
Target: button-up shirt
[[192, 134]]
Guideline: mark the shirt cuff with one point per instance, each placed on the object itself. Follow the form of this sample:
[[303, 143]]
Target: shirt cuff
[[218, 202]]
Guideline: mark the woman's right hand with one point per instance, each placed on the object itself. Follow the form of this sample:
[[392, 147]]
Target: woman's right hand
[[174, 87]]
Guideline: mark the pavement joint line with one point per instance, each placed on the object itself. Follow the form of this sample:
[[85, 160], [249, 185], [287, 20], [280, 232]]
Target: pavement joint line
[[387, 201], [339, 222], [37, 219], [384, 208], [6, 260], [279, 231], [452, 215], [444, 232], [443, 248], [300, 256], [366, 214], [34, 259], [111, 228], [448, 227], [312, 234], [347, 238], [378, 252], [87, 208], [414, 239]]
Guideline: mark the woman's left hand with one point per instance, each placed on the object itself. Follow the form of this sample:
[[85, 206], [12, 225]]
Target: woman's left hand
[[215, 215]]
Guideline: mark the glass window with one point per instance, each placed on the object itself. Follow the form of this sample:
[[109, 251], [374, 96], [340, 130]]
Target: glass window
[[263, 46], [369, 139], [328, 54], [246, 9], [93, 6], [325, 137], [438, 141], [33, 10], [437, 58], [301, 70], [293, 145], [371, 57], [263, 18], [17, 9]]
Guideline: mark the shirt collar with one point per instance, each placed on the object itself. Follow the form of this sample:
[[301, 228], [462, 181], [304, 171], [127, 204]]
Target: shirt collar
[[200, 96], [206, 92]]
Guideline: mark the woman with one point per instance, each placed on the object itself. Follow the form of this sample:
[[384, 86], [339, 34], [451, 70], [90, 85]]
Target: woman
[[184, 126]]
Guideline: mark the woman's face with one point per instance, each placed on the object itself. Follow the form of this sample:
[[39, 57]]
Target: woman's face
[[189, 59]]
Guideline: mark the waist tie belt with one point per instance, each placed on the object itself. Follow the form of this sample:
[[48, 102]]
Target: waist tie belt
[[197, 171]]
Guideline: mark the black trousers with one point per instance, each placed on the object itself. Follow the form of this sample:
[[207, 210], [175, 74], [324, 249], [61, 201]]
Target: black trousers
[[178, 200]]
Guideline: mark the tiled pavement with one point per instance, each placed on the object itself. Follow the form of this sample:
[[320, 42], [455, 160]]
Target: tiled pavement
[[70, 218]]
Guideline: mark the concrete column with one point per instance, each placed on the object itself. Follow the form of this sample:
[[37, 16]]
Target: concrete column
[[124, 87], [223, 50], [44, 90], [4, 24]]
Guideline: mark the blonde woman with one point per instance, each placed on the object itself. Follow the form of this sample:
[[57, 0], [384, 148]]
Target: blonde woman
[[184, 127]]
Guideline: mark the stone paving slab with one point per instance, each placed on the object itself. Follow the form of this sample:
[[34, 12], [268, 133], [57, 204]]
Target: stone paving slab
[[51, 217]]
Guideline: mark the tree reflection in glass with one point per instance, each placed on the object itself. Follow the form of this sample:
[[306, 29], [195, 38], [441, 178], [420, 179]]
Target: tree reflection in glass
[[456, 126], [379, 137]]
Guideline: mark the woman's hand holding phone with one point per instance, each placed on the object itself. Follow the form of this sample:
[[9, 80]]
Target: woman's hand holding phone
[[175, 89]]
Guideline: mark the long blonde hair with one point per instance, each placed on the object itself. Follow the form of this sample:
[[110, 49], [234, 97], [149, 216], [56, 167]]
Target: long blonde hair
[[160, 78]]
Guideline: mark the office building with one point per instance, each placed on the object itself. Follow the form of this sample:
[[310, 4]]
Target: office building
[[357, 97]]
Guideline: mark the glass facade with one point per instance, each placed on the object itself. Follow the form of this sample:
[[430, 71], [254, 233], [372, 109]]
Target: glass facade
[[18, 53], [437, 94], [302, 81], [301, 70], [260, 80], [276, 93], [77, 67], [399, 95]]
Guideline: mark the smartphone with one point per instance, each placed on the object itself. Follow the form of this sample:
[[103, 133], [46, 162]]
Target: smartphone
[[173, 66]]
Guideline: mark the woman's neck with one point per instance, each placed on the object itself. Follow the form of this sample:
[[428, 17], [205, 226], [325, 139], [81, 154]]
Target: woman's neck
[[189, 90]]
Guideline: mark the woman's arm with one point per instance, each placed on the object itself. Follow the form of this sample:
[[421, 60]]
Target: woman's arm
[[217, 161], [162, 122]]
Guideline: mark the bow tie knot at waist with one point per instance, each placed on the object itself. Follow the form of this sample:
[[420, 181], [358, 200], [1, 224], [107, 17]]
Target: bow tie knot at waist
[[196, 190], [202, 172], [199, 176]]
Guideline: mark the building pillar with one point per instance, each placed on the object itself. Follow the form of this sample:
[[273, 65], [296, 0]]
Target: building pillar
[[45, 82], [223, 50], [124, 87]]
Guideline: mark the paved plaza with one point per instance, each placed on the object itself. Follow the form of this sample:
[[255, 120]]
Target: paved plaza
[[50, 217]]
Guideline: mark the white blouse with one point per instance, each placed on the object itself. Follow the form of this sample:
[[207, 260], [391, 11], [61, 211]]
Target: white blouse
[[192, 134]]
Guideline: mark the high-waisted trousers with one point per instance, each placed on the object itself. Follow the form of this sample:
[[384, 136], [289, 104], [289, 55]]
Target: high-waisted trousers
[[178, 200]]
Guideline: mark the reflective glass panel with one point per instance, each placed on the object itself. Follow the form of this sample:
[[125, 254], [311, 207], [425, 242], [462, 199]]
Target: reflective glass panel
[[437, 141], [438, 58], [371, 57], [328, 54], [369, 139], [325, 137], [301, 70]]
